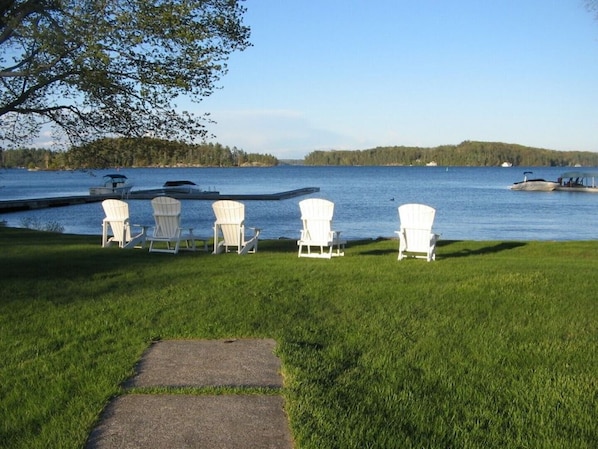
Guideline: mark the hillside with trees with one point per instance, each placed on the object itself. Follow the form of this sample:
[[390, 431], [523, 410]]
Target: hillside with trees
[[134, 152], [150, 152], [467, 153]]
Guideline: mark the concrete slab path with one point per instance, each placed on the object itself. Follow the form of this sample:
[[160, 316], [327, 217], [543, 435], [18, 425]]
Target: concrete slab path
[[161, 421], [209, 363]]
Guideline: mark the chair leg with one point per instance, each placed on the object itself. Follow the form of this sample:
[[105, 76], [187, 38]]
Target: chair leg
[[218, 247], [104, 234]]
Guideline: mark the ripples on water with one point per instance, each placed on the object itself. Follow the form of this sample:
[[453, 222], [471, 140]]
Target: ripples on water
[[472, 203]]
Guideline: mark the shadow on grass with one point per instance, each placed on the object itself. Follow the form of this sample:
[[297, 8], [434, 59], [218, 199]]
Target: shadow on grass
[[282, 245], [31, 256], [465, 252], [445, 248], [287, 245]]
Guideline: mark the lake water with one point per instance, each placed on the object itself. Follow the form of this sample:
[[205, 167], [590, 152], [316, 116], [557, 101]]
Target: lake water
[[472, 203]]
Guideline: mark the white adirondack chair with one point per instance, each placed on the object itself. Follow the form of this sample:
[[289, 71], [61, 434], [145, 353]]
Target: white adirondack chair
[[117, 228], [415, 235], [316, 215], [168, 234], [229, 228]]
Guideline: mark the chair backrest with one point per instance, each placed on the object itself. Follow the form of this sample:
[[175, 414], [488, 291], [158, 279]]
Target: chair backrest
[[316, 215], [416, 223], [167, 215], [117, 216], [230, 218]]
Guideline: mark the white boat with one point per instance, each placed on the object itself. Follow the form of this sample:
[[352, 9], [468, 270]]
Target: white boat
[[506, 164], [113, 183], [578, 181], [534, 185]]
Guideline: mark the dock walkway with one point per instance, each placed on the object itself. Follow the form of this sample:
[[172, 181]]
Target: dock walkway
[[41, 203]]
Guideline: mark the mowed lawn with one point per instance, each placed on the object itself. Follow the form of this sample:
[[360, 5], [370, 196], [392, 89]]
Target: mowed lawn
[[493, 345]]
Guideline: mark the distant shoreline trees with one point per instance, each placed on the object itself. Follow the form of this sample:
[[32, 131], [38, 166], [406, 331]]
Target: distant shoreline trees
[[467, 153], [151, 152], [134, 152]]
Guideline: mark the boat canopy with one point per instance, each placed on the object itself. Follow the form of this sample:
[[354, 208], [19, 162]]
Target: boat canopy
[[115, 176], [580, 174], [582, 178]]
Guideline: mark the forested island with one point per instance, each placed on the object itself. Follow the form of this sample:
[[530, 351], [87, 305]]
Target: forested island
[[133, 152], [467, 154], [149, 152]]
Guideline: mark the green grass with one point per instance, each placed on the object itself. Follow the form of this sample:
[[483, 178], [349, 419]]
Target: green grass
[[494, 345]]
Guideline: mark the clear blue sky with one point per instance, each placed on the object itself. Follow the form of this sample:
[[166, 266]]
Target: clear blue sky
[[355, 74]]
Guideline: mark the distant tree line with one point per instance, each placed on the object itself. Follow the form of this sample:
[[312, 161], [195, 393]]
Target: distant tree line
[[133, 152], [150, 152], [467, 153]]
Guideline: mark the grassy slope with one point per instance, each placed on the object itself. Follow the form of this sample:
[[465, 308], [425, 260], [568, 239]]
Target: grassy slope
[[493, 345]]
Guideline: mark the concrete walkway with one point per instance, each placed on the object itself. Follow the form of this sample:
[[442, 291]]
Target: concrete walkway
[[178, 421]]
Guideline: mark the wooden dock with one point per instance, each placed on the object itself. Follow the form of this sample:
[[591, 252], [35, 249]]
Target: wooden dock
[[42, 203]]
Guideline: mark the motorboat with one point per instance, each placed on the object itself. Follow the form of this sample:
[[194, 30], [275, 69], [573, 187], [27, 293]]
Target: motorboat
[[180, 187], [534, 185], [176, 189], [113, 183], [578, 181]]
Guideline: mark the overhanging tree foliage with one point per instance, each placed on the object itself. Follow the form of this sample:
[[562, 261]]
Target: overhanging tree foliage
[[95, 68]]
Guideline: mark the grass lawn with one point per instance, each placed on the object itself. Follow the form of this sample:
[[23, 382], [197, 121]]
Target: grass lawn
[[494, 345]]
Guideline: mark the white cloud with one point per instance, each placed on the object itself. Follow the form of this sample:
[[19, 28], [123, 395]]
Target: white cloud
[[286, 134]]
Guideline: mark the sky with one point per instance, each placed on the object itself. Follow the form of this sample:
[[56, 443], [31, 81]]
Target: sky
[[357, 74]]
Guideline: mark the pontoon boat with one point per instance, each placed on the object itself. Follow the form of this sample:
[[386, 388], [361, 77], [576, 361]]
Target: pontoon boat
[[578, 181]]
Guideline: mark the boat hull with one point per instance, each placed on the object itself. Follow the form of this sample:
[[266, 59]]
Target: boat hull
[[174, 193], [110, 190], [584, 189], [535, 186]]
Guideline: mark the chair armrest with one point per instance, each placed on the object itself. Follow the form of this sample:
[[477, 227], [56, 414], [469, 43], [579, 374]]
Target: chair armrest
[[336, 235], [402, 239], [143, 227], [336, 238]]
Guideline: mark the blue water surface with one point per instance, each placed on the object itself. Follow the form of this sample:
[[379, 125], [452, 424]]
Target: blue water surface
[[472, 203]]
